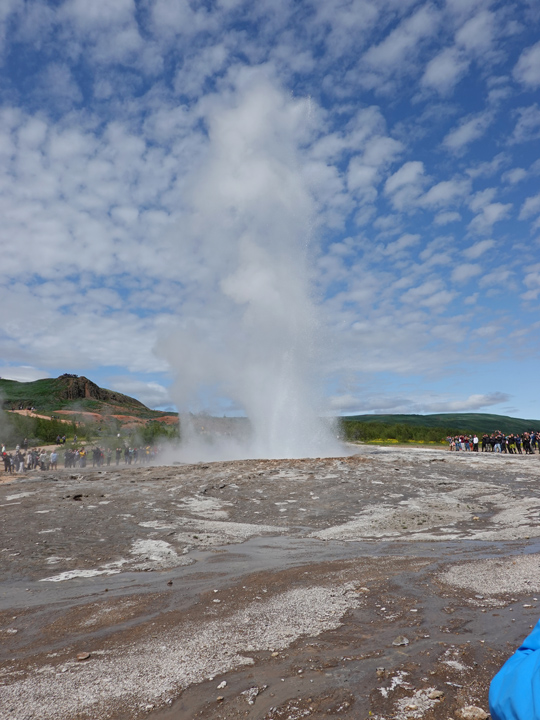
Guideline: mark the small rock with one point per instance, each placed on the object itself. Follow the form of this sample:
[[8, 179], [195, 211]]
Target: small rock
[[436, 694], [401, 640], [472, 712], [216, 600], [411, 707], [275, 654], [170, 582], [220, 698], [251, 694], [83, 656], [222, 685], [381, 672]]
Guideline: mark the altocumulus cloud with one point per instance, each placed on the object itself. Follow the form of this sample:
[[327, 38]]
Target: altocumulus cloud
[[396, 119]]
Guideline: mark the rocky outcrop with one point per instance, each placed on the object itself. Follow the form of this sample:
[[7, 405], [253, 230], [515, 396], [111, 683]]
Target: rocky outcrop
[[73, 387]]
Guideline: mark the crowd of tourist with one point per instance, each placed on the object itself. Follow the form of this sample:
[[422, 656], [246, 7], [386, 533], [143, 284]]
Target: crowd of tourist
[[499, 442], [23, 459]]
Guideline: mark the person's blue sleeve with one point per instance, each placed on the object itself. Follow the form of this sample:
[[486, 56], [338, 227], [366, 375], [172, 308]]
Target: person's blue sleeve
[[514, 693]]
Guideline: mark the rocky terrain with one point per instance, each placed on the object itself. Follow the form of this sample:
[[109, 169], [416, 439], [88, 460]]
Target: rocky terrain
[[388, 584]]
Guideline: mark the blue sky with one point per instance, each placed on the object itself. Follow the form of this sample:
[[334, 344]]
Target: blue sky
[[404, 135]]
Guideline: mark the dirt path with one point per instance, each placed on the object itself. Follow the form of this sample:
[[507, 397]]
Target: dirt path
[[31, 413], [393, 583]]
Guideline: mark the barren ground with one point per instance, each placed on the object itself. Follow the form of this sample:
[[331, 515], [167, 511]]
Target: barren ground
[[390, 584]]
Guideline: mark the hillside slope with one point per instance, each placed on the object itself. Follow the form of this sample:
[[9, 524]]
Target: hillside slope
[[466, 422], [72, 394]]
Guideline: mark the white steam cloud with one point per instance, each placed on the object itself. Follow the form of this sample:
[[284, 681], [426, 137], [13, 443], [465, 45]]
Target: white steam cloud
[[247, 337]]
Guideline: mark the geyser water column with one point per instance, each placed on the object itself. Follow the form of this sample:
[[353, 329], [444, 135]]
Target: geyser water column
[[247, 337]]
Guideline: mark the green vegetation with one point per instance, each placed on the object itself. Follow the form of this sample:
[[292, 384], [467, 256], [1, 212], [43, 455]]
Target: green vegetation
[[460, 422], [41, 393], [354, 430], [14, 428]]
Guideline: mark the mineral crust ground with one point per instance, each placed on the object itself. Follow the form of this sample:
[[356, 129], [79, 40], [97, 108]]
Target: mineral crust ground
[[389, 584]]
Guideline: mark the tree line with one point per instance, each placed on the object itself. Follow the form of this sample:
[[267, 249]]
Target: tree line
[[356, 430], [40, 431]]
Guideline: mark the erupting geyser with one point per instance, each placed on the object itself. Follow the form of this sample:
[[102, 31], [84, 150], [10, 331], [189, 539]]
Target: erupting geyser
[[247, 340]]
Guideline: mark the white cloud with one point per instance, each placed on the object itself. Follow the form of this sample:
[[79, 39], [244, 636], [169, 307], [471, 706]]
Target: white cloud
[[488, 168], [150, 393], [499, 278], [59, 85], [405, 185], [445, 70], [473, 402], [530, 207], [482, 198], [465, 272], [479, 249], [491, 213], [468, 131], [387, 403], [23, 373], [532, 282], [402, 244], [528, 125], [425, 290], [99, 13], [527, 69], [446, 192], [194, 72], [407, 174], [476, 35], [395, 53], [514, 176], [445, 218]]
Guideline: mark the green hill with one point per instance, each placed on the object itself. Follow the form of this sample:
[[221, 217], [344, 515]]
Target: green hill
[[464, 422], [72, 393], [71, 405]]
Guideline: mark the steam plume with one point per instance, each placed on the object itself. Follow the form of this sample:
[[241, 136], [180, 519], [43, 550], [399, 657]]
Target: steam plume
[[247, 338]]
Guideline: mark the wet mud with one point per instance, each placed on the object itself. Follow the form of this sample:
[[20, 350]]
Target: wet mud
[[388, 584]]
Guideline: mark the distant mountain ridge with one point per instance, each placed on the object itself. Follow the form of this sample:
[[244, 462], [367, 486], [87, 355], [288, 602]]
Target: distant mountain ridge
[[465, 422]]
